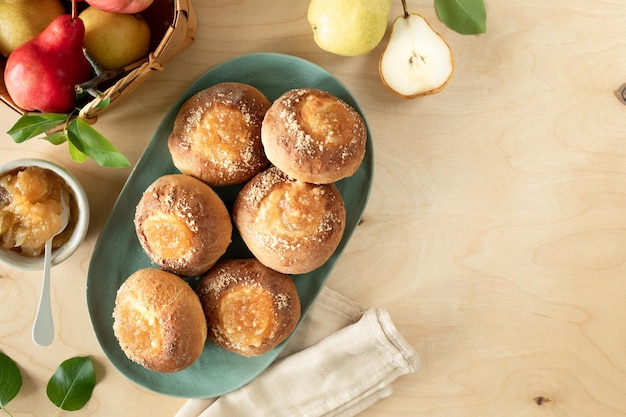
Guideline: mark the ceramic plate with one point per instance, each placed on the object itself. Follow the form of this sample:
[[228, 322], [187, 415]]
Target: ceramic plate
[[118, 254]]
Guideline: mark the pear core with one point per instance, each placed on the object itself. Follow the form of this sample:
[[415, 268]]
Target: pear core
[[417, 60]]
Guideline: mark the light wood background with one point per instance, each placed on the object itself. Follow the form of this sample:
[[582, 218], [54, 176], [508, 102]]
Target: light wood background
[[496, 230]]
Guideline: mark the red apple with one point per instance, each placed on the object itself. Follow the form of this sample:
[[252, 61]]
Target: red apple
[[121, 6]]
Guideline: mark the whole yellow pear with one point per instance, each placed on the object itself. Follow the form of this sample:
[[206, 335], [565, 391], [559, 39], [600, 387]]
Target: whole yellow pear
[[22, 20], [348, 27], [115, 40]]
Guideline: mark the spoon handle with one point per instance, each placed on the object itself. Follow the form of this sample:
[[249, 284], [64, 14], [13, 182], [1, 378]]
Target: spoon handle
[[43, 329]]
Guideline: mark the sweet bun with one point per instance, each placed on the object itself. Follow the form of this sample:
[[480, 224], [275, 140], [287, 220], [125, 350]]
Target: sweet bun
[[182, 224], [158, 321], [289, 225], [249, 308], [217, 134], [314, 136]]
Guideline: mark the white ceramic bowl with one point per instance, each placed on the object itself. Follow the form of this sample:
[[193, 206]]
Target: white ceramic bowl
[[14, 259]]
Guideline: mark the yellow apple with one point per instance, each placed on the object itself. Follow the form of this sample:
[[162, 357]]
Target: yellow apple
[[115, 40], [22, 20]]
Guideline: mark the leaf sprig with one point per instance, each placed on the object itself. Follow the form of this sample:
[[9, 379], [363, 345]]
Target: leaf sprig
[[69, 388], [83, 140], [467, 17], [72, 384], [10, 381]]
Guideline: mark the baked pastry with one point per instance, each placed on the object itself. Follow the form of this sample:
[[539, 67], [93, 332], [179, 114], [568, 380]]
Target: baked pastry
[[314, 136], [182, 224], [217, 134], [289, 225], [249, 308], [158, 321]]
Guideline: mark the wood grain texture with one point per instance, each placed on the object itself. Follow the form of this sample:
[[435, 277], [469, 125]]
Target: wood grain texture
[[495, 233]]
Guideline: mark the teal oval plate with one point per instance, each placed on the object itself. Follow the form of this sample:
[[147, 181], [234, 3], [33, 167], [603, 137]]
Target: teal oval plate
[[117, 253]]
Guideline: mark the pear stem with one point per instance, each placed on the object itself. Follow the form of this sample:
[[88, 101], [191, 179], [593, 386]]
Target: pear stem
[[103, 75], [405, 8], [97, 68]]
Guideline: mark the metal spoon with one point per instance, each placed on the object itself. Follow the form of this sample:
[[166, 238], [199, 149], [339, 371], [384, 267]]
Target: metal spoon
[[43, 328]]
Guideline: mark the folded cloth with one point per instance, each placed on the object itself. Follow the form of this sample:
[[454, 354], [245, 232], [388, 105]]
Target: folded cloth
[[339, 361]]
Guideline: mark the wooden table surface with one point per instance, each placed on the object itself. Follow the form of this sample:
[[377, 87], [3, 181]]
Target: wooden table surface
[[495, 234]]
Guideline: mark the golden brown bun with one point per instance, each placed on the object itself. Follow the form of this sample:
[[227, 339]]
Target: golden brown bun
[[217, 134], [250, 308], [313, 136], [289, 225], [158, 321], [182, 224]]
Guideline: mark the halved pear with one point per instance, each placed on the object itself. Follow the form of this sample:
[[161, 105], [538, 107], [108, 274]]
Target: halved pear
[[417, 61]]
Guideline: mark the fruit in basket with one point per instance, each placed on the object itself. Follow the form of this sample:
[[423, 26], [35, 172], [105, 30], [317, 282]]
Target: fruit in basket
[[121, 6], [348, 27], [22, 20], [115, 40], [416, 61], [41, 73]]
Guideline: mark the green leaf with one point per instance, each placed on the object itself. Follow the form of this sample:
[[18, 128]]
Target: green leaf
[[76, 155], [72, 384], [104, 103], [10, 380], [87, 140], [466, 17], [83, 140], [31, 125], [56, 138]]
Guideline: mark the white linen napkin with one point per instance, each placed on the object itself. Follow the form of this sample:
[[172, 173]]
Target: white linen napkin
[[340, 360]]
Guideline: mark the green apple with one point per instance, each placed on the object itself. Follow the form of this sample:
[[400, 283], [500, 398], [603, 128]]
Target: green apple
[[348, 27], [22, 20], [115, 40]]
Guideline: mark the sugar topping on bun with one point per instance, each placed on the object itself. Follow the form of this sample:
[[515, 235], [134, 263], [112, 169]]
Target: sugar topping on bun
[[182, 224], [250, 308], [314, 136], [289, 225], [217, 134]]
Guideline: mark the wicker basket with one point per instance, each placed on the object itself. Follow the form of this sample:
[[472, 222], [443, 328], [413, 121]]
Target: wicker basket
[[172, 27]]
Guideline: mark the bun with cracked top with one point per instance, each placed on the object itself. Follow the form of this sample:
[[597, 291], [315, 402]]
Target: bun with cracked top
[[314, 136], [158, 321], [250, 308], [217, 134], [289, 225], [182, 224]]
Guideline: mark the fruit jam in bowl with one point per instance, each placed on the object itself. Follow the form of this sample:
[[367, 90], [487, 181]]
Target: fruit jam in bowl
[[30, 211]]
